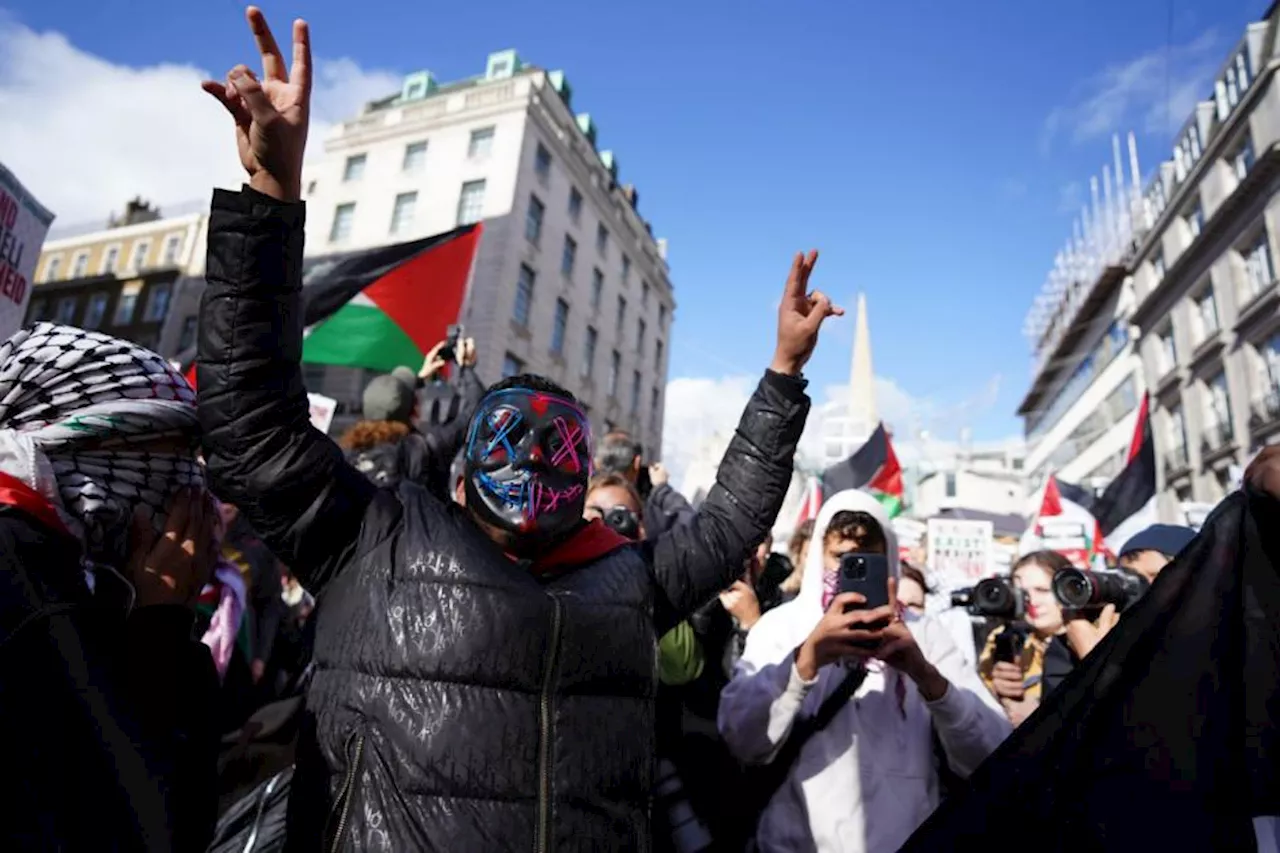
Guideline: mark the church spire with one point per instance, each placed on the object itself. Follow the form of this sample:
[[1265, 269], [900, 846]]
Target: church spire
[[862, 389]]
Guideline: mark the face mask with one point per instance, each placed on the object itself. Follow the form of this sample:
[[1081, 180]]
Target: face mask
[[528, 460]]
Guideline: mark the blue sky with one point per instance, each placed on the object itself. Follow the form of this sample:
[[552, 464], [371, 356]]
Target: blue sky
[[925, 148]]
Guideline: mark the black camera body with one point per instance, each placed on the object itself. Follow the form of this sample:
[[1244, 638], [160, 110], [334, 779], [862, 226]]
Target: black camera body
[[992, 598], [623, 521], [449, 352], [1082, 589]]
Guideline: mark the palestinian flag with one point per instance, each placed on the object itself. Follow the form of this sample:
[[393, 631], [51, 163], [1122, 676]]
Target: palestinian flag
[[810, 503], [1061, 525], [873, 468], [384, 307], [1164, 737], [1128, 504]]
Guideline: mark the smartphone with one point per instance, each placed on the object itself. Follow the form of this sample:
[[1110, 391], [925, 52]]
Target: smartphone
[[867, 575], [449, 352]]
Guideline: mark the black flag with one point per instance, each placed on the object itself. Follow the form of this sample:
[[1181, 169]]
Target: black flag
[[1164, 737]]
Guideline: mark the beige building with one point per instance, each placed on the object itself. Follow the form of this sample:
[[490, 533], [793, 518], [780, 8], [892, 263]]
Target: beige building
[[139, 277]]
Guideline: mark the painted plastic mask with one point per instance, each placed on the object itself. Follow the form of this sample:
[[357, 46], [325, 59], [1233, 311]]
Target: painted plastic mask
[[528, 460]]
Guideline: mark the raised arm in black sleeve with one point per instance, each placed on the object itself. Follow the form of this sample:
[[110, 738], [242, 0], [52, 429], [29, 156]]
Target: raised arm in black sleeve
[[262, 453], [694, 561], [664, 509]]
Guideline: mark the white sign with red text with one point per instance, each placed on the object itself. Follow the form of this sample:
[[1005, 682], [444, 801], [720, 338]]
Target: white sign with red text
[[960, 550], [24, 222], [322, 409]]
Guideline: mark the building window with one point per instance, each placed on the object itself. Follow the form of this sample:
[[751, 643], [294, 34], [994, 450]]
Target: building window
[[1258, 272], [626, 270], [125, 305], [641, 328], [524, 296], [172, 246], [1242, 159], [635, 392], [568, 256], [1230, 88], [657, 356], [575, 204], [1217, 410], [66, 311], [654, 399], [188, 336], [622, 316], [343, 216], [415, 157], [542, 163], [511, 366], [589, 352], [96, 311], [81, 265], [35, 311], [1168, 354], [602, 240], [644, 294], [51, 268], [597, 288], [481, 144], [157, 303], [138, 259], [402, 212], [1178, 434], [1195, 220], [950, 484], [111, 260], [354, 170], [1157, 266], [559, 326], [471, 203], [615, 367], [1267, 368], [533, 220], [662, 318], [1205, 320]]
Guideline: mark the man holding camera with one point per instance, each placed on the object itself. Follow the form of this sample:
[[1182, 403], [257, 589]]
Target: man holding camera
[[856, 713]]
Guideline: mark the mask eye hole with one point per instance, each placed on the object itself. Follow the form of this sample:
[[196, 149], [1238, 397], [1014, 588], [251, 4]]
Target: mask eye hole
[[504, 428]]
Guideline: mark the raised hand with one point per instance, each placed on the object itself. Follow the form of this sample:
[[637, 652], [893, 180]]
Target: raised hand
[[272, 114], [173, 567], [800, 315]]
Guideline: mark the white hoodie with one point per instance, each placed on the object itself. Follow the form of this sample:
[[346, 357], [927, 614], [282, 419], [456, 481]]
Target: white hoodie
[[870, 778]]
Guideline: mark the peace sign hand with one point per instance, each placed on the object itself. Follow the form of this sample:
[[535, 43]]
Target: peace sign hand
[[271, 115], [800, 315]]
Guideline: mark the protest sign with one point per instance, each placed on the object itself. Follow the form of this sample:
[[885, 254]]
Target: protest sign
[[322, 410], [23, 225], [960, 551]]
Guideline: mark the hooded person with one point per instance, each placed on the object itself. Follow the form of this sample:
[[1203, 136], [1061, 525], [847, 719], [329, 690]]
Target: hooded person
[[485, 670], [99, 668], [866, 776]]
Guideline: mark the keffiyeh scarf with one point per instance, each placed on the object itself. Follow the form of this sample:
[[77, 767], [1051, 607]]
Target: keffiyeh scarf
[[101, 427]]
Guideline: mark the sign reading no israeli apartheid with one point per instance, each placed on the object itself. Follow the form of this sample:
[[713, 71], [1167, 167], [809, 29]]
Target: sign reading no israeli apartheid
[[23, 225]]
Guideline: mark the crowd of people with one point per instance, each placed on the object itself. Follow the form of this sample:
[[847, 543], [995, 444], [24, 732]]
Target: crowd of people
[[462, 626]]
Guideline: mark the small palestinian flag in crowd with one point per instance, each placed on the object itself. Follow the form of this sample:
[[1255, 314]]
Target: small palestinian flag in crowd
[[384, 307], [811, 503], [873, 468]]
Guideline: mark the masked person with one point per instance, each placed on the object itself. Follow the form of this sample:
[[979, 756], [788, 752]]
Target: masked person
[[106, 540], [484, 669], [877, 713]]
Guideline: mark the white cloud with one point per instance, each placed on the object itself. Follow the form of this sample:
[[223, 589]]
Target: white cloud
[[1156, 91], [85, 134]]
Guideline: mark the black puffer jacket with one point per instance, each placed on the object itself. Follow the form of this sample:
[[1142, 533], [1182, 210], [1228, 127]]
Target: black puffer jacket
[[461, 702]]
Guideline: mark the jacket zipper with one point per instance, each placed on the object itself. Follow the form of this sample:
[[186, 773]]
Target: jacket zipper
[[544, 713], [347, 792]]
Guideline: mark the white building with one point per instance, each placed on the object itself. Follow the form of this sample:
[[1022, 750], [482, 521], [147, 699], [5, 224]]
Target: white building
[[988, 478], [569, 281]]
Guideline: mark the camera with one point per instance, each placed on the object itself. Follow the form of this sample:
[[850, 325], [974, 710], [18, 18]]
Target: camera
[[449, 352], [623, 521], [1081, 589], [1009, 643], [992, 598]]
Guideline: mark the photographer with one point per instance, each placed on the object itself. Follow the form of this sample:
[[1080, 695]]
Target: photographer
[[620, 454], [1022, 662], [1143, 556]]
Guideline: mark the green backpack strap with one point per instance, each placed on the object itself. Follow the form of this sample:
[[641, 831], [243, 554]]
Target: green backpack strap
[[680, 657]]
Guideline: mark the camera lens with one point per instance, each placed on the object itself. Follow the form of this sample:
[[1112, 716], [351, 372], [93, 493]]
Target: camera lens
[[1073, 588]]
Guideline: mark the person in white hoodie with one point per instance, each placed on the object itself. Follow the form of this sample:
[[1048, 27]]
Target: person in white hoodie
[[871, 776]]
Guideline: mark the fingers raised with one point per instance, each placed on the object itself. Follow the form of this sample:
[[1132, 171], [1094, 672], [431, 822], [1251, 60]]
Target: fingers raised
[[300, 73], [250, 92], [226, 95], [272, 61]]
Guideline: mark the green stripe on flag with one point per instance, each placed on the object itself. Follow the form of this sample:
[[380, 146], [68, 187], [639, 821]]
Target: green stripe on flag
[[361, 336], [892, 503]]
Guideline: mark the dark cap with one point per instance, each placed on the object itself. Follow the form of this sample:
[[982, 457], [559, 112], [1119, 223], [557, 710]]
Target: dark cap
[[389, 398], [1167, 539]]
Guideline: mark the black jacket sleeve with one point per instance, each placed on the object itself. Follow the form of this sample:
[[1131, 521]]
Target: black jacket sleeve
[[664, 509], [262, 453], [268, 606], [694, 561], [447, 438]]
